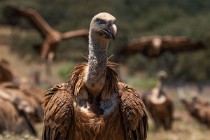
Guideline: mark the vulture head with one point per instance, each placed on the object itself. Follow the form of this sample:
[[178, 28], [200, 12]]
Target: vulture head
[[162, 75], [103, 25]]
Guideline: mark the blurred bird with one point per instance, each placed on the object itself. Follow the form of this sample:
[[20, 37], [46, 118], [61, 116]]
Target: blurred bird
[[32, 96], [94, 104], [14, 89], [16, 114], [197, 108], [160, 104], [51, 37], [153, 46]]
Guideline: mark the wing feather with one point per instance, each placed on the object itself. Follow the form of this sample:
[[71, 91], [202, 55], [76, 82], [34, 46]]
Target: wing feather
[[34, 18], [134, 113], [58, 110], [153, 46], [76, 33], [180, 44]]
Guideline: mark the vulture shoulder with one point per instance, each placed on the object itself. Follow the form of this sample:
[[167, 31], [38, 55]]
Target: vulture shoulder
[[134, 114], [58, 112]]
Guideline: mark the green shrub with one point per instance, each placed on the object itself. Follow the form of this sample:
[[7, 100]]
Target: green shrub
[[63, 71]]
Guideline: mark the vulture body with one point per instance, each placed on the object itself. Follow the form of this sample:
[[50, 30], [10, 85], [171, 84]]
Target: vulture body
[[94, 104], [17, 90], [23, 105], [50, 36], [198, 109], [160, 105], [16, 117], [153, 46], [5, 73], [11, 120]]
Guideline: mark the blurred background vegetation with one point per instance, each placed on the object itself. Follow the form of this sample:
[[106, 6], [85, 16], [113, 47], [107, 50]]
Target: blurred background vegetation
[[135, 18]]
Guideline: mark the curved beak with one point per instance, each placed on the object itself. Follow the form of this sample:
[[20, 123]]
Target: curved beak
[[111, 31]]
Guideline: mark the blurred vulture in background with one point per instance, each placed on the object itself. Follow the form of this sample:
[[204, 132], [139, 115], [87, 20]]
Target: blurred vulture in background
[[20, 107], [197, 108], [16, 111], [5, 73], [51, 37], [159, 104], [153, 46]]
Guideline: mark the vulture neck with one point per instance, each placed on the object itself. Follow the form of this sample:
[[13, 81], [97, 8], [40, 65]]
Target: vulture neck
[[97, 63], [160, 83], [160, 86]]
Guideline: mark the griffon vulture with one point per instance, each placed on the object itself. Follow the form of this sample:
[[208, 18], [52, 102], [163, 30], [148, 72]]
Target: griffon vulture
[[197, 108], [94, 104], [50, 36], [160, 104], [153, 46], [14, 89], [15, 112], [32, 96]]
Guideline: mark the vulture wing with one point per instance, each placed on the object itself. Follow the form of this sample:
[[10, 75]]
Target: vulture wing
[[58, 112], [76, 33], [134, 114], [153, 46], [180, 44], [134, 46], [34, 18]]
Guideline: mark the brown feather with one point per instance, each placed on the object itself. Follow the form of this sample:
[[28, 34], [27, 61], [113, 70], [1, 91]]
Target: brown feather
[[24, 107], [199, 109], [153, 46], [64, 120], [133, 112]]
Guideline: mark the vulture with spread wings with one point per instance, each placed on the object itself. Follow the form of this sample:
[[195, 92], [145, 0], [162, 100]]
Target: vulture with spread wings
[[51, 37], [153, 46], [94, 105]]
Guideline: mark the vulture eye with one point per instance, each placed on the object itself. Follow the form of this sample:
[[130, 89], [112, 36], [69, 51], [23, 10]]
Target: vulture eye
[[100, 22]]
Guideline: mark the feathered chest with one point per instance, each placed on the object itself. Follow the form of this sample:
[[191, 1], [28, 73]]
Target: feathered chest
[[95, 106], [96, 116], [98, 119], [86, 101]]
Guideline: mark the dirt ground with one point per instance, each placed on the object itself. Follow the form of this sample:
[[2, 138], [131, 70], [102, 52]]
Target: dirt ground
[[184, 127]]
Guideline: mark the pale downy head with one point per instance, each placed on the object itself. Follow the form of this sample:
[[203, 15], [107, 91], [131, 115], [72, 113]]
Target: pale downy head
[[103, 25], [162, 74]]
